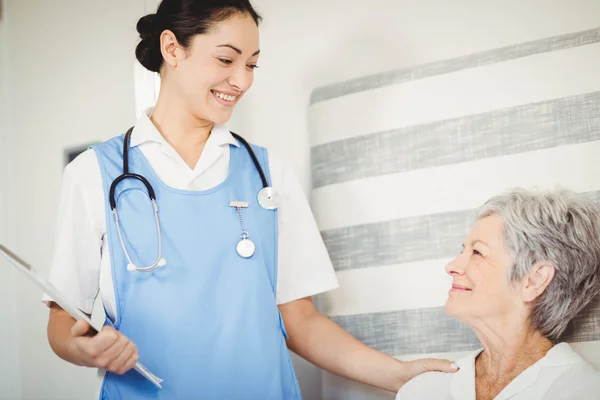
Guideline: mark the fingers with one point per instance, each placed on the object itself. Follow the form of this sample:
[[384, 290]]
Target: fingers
[[120, 356], [116, 355], [108, 349], [431, 364], [126, 360], [112, 352], [132, 361], [104, 340], [80, 328], [92, 351]]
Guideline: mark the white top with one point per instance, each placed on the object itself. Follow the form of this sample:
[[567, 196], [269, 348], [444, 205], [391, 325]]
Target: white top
[[560, 375], [81, 267]]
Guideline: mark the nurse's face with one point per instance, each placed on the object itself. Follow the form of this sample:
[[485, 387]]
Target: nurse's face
[[481, 289], [218, 68]]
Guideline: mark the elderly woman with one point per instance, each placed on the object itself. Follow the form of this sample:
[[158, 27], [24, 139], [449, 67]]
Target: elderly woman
[[529, 265]]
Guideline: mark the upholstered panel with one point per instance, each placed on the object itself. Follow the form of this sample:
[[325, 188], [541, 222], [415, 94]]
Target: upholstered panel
[[400, 161]]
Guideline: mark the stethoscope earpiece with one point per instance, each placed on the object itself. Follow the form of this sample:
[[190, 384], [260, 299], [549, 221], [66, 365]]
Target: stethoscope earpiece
[[132, 267]]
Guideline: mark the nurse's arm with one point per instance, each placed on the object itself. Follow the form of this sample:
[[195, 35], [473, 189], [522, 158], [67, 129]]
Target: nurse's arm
[[320, 341]]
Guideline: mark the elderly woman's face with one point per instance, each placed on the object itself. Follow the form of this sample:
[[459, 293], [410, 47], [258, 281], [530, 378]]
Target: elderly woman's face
[[480, 284]]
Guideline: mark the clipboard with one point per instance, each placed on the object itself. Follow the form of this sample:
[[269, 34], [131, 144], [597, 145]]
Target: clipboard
[[56, 296]]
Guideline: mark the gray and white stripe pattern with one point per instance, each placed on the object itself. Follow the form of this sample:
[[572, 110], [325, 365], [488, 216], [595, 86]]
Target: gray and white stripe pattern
[[395, 185]]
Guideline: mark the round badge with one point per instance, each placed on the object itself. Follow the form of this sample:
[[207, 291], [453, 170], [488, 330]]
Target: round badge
[[268, 198], [245, 248]]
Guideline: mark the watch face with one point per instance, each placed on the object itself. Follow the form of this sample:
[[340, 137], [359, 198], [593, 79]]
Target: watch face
[[245, 248]]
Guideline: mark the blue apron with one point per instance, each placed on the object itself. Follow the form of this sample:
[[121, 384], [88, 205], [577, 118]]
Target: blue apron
[[207, 322]]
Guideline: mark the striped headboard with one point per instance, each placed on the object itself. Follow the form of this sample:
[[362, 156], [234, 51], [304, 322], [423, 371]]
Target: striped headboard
[[400, 160]]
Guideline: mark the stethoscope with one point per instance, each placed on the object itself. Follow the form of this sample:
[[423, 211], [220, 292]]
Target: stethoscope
[[268, 198]]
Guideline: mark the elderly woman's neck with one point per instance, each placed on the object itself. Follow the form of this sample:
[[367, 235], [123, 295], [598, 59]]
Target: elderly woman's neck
[[509, 350]]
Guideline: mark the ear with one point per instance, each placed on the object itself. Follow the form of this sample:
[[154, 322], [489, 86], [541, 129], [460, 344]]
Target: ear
[[537, 281], [170, 48]]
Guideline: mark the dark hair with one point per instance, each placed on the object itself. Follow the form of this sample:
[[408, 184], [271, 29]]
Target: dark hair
[[186, 19]]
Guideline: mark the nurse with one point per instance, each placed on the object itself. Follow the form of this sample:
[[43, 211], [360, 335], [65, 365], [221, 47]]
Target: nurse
[[215, 287]]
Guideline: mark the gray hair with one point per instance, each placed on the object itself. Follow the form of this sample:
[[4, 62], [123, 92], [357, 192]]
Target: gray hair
[[560, 227]]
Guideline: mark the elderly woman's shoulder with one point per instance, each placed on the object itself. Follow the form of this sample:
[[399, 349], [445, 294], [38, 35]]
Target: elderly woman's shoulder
[[586, 373], [587, 377], [436, 385], [581, 382], [430, 385]]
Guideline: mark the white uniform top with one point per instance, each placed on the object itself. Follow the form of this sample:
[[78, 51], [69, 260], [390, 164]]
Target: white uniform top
[[81, 266], [560, 375]]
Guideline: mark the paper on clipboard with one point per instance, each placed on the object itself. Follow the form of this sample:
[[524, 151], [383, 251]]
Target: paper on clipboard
[[56, 296]]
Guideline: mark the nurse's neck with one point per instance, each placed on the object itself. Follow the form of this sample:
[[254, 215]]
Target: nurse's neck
[[185, 133]]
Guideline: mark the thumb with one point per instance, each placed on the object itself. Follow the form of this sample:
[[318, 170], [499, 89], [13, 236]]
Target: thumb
[[80, 328], [431, 364]]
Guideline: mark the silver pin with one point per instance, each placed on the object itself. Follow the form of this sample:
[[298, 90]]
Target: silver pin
[[241, 204], [245, 247]]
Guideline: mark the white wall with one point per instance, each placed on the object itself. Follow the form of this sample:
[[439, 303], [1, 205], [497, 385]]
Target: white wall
[[10, 383], [71, 83]]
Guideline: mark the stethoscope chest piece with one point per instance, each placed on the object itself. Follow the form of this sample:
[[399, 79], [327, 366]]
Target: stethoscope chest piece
[[269, 198]]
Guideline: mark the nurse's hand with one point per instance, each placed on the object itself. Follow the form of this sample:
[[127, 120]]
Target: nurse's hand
[[108, 349], [420, 366]]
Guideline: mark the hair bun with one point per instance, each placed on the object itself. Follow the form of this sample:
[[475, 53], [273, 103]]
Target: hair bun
[[148, 27], [148, 49]]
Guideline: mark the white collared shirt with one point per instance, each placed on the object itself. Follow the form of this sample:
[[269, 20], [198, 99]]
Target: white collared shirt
[[560, 375], [81, 267]]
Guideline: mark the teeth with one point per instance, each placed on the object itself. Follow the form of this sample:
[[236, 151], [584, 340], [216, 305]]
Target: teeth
[[225, 96]]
